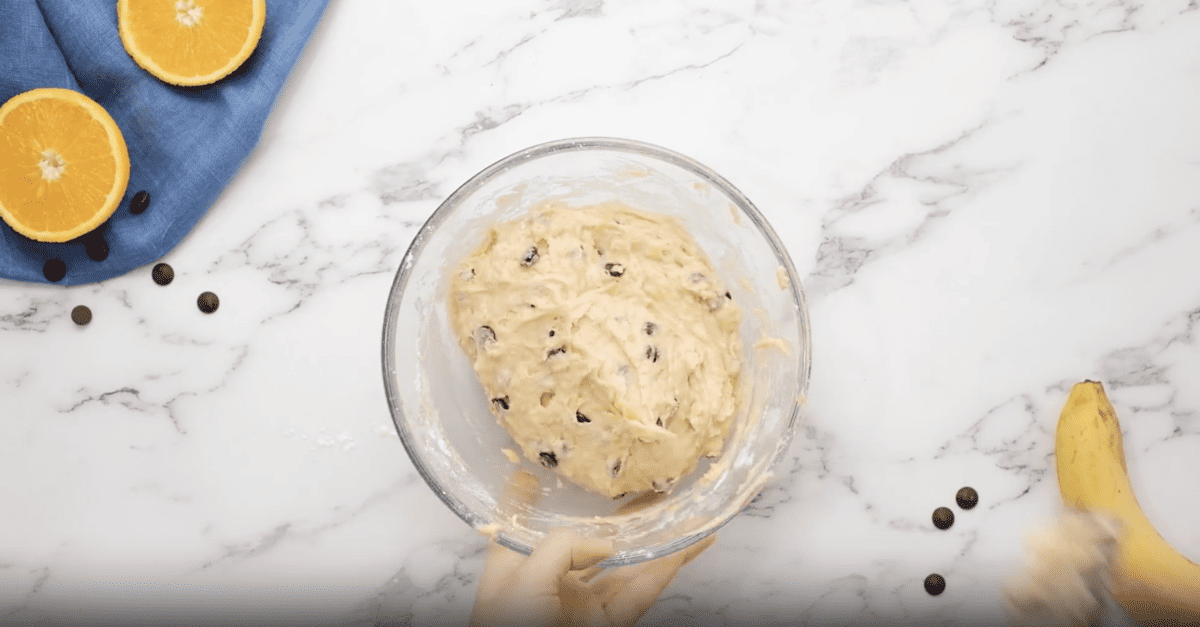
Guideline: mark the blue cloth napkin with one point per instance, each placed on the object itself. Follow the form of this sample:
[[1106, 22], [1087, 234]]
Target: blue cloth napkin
[[185, 143]]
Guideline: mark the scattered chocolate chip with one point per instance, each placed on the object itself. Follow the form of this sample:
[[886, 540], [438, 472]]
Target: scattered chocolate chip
[[530, 257], [652, 353], [728, 295], [139, 202], [549, 460], [556, 351], [579, 417], [935, 584], [208, 302], [614, 269], [620, 496], [943, 518], [551, 332], [546, 396], [96, 248], [485, 336], [502, 402], [967, 498], [81, 315], [649, 328], [54, 270], [162, 274], [658, 421], [616, 468]]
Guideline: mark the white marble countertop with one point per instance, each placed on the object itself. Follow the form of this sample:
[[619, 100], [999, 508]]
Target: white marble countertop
[[987, 201]]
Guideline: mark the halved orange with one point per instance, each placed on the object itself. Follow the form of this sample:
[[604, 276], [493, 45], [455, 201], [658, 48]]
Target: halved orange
[[190, 42], [63, 164]]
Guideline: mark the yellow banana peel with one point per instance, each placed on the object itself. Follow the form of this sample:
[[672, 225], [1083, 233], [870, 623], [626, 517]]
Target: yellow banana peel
[[1153, 582]]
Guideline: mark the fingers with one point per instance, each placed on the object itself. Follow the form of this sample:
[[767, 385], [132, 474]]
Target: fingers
[[644, 583], [561, 551]]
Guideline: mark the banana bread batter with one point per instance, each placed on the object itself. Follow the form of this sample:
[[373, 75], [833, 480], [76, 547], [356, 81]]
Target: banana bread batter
[[607, 344]]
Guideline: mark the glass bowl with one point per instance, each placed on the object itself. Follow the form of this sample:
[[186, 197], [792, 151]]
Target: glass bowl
[[439, 407]]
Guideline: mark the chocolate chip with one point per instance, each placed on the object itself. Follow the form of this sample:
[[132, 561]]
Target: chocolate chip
[[502, 402], [616, 469], [208, 302], [728, 295], [551, 332], [530, 257], [556, 351], [614, 269], [549, 460], [620, 496], [139, 202], [943, 518], [935, 584], [652, 353], [579, 417], [967, 498], [649, 328], [546, 396], [54, 270], [81, 315], [658, 421], [162, 274], [96, 248]]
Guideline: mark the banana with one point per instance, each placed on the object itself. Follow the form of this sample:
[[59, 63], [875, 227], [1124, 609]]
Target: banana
[[1151, 580]]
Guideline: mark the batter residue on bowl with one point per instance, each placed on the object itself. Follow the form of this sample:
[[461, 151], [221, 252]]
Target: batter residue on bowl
[[607, 344]]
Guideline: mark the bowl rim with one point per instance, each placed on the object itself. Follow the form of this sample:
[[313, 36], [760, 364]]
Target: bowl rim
[[580, 144]]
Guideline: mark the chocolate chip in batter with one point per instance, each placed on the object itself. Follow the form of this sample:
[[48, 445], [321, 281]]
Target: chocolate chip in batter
[[616, 469], [614, 269], [935, 584], [485, 336], [652, 353], [943, 518], [658, 422], [967, 498], [549, 460], [546, 396], [551, 332], [728, 295], [530, 257], [579, 417], [649, 328], [556, 351], [502, 402]]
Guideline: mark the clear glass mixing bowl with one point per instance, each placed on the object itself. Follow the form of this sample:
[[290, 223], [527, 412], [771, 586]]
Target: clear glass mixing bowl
[[439, 407]]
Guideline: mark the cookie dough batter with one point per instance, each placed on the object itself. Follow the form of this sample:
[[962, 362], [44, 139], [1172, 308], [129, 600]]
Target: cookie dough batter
[[607, 344]]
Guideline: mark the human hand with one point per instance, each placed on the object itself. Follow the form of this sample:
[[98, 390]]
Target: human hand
[[560, 584]]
